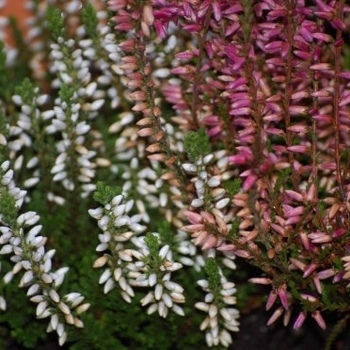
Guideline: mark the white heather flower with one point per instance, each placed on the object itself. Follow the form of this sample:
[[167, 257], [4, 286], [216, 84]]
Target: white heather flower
[[220, 319], [165, 294], [118, 275], [28, 254]]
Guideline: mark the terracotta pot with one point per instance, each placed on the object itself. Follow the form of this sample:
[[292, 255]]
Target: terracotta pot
[[17, 10]]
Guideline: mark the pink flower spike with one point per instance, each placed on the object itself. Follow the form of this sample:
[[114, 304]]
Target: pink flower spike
[[311, 194], [237, 159], [193, 228], [160, 29], [277, 313], [299, 128], [338, 24], [208, 217], [320, 66], [299, 149], [345, 100], [216, 11], [308, 297], [294, 195], [192, 217], [299, 321], [320, 237], [309, 270], [201, 237], [298, 264], [305, 240], [282, 293], [319, 319], [291, 211], [345, 75], [323, 37], [338, 277], [297, 110], [193, 28], [339, 233], [292, 220], [271, 300], [210, 242], [145, 132], [260, 280], [249, 182], [322, 275], [317, 284], [242, 253]]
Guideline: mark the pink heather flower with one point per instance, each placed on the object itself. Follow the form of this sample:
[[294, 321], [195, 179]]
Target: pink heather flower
[[291, 211], [298, 264], [319, 319], [271, 300], [299, 321], [294, 195], [275, 87], [116, 5], [317, 284], [260, 280], [309, 270], [320, 237], [325, 274], [276, 314], [282, 294]]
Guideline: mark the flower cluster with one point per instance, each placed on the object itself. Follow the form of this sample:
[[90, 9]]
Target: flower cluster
[[20, 237], [134, 260], [221, 318]]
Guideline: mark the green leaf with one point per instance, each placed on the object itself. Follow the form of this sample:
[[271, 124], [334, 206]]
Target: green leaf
[[66, 93], [90, 20], [212, 270], [55, 22], [197, 144], [8, 210], [152, 244], [26, 91], [104, 193], [233, 186]]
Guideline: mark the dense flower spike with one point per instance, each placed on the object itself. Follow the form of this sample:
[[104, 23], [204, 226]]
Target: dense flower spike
[[218, 299], [118, 228], [134, 260], [20, 237]]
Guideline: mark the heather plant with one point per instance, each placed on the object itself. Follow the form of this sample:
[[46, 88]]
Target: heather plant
[[167, 160]]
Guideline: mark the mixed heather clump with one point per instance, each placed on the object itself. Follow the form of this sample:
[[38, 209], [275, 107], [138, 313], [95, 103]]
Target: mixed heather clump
[[213, 135]]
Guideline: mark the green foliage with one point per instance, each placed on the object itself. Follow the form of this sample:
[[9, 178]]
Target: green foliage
[[346, 58], [4, 73], [19, 317], [152, 242], [196, 144], [66, 93], [212, 270], [55, 22], [26, 91], [166, 233], [90, 20], [233, 186], [233, 234], [105, 193], [7, 208]]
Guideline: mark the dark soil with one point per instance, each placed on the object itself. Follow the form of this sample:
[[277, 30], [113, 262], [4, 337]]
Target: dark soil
[[255, 335]]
